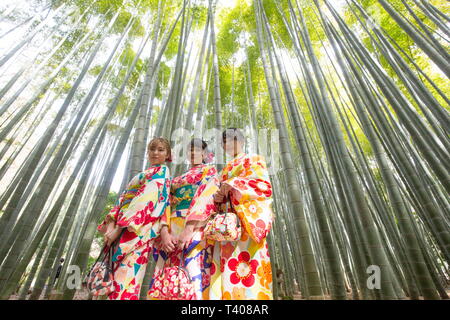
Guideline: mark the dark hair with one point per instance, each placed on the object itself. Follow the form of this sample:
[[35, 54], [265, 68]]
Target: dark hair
[[233, 133], [198, 143]]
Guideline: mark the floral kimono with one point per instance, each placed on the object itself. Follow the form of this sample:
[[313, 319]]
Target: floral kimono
[[241, 269], [197, 257], [140, 210]]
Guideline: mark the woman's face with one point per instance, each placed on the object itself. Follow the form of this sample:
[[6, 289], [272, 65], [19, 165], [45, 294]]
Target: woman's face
[[157, 153], [232, 147], [196, 155]]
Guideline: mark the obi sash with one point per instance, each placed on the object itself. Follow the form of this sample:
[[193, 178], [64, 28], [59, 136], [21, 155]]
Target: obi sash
[[184, 196]]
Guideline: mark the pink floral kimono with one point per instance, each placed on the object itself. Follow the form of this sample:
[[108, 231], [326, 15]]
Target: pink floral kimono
[[140, 209], [241, 269]]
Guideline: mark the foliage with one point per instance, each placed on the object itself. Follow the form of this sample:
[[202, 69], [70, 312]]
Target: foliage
[[110, 201]]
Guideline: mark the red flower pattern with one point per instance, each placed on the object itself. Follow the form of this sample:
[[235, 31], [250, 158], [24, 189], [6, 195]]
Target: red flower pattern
[[127, 236], [206, 280], [143, 258], [143, 217], [115, 293], [247, 163], [240, 184], [259, 230], [213, 268], [129, 296], [211, 171], [194, 178], [244, 269], [261, 187], [222, 264], [210, 208]]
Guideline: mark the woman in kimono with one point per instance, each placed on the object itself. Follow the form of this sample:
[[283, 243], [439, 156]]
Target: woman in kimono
[[187, 228], [241, 269], [137, 219]]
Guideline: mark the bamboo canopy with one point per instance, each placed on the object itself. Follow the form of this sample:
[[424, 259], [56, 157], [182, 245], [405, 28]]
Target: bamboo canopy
[[348, 101]]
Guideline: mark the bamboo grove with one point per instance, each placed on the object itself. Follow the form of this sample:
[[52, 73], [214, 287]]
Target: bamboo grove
[[355, 90]]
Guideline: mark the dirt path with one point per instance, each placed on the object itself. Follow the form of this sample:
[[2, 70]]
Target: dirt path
[[83, 295]]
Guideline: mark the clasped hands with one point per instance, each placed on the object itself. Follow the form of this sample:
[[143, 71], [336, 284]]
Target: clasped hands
[[221, 195], [170, 242]]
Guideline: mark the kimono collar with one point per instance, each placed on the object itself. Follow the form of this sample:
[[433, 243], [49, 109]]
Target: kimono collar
[[232, 161], [197, 166], [155, 165], [239, 155]]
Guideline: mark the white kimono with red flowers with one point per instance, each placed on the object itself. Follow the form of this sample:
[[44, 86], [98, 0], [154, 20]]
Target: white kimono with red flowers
[[241, 269], [140, 210]]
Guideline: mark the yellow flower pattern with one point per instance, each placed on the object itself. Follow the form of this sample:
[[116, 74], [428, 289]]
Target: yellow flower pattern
[[241, 269]]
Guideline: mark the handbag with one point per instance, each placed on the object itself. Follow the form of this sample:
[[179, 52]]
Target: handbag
[[172, 283], [223, 226], [100, 279]]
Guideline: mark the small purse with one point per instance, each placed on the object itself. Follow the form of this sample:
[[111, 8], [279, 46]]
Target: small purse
[[223, 226], [172, 283], [100, 280]]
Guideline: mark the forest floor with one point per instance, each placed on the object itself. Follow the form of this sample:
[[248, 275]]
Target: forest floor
[[83, 295], [79, 295], [298, 296]]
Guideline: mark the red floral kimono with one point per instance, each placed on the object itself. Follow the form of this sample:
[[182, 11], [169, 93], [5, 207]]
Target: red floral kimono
[[140, 209]]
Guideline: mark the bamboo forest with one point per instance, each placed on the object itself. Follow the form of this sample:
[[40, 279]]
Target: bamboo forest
[[347, 101]]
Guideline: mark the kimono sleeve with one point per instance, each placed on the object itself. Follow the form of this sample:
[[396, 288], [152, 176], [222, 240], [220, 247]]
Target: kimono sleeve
[[251, 196], [202, 205], [162, 211], [123, 201], [145, 213], [165, 196]]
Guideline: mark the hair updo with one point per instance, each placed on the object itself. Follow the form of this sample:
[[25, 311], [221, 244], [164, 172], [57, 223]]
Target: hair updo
[[199, 143], [233, 134]]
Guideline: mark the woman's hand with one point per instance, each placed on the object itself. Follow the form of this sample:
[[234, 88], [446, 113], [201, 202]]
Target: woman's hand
[[221, 195], [168, 241], [110, 226], [112, 233], [185, 237]]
